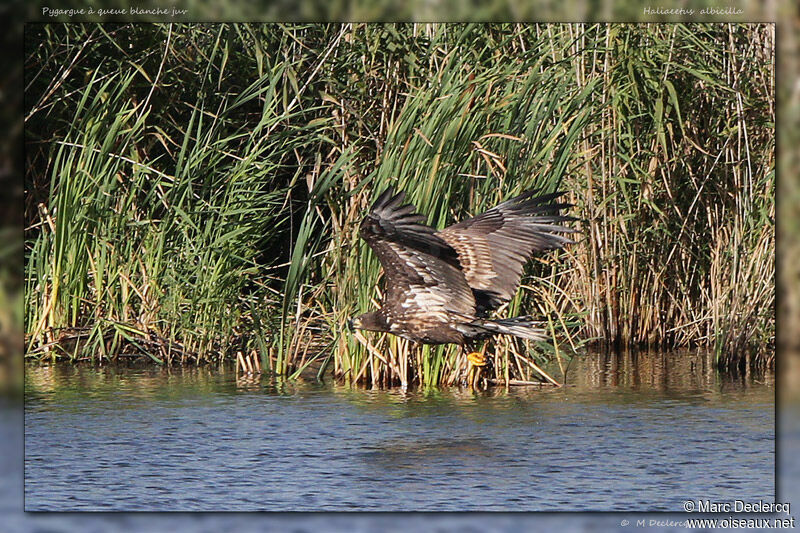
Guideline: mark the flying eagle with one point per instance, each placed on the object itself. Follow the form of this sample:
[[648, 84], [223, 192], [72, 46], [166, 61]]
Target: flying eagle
[[441, 285]]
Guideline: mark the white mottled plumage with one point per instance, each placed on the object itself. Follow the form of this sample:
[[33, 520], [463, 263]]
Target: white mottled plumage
[[440, 284]]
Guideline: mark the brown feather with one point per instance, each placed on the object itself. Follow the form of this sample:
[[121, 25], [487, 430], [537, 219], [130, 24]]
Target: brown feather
[[437, 282], [498, 243]]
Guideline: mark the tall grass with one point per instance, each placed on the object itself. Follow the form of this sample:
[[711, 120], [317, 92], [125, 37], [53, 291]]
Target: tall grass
[[681, 191], [156, 232], [195, 190]]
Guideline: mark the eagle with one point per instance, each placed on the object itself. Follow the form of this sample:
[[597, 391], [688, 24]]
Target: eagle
[[440, 286]]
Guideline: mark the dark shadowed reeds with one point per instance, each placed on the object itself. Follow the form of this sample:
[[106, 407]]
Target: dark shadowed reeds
[[194, 190]]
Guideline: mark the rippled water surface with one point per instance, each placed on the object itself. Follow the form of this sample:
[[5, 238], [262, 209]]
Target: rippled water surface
[[635, 432]]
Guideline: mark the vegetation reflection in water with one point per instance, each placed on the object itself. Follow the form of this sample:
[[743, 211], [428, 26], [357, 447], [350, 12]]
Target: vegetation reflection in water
[[677, 371]]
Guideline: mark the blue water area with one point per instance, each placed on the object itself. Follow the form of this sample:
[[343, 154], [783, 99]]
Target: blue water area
[[625, 434]]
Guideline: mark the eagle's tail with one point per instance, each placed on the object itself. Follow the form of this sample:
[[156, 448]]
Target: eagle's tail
[[523, 327]]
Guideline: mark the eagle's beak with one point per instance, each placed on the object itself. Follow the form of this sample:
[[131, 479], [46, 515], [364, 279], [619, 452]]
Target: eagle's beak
[[351, 325]]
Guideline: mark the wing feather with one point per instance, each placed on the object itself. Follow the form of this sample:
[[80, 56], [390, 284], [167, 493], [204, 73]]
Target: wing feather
[[389, 220], [495, 246], [421, 270]]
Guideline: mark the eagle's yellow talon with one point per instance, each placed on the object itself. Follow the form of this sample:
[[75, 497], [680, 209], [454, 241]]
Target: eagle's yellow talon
[[477, 358]]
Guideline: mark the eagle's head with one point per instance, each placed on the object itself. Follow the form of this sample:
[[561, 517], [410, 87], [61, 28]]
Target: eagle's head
[[372, 321]]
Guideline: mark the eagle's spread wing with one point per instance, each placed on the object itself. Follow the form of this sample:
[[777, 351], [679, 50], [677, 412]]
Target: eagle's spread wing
[[421, 270], [493, 247]]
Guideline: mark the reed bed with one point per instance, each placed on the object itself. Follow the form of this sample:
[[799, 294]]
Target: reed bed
[[194, 191]]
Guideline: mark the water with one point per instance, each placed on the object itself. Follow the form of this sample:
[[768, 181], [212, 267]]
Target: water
[[628, 433]]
